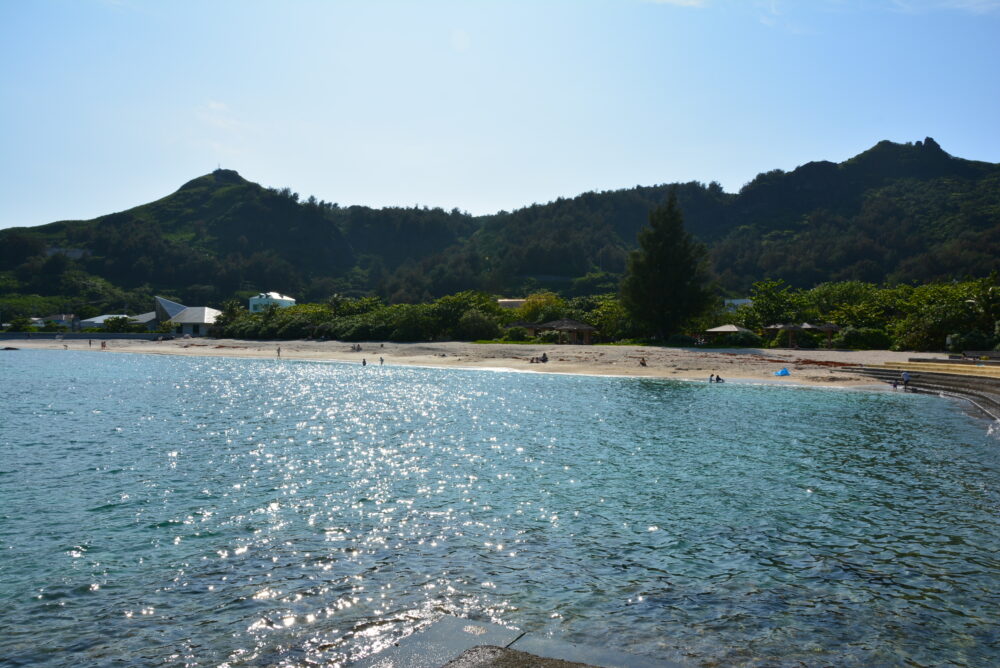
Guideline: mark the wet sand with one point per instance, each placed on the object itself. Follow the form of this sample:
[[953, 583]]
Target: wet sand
[[806, 367]]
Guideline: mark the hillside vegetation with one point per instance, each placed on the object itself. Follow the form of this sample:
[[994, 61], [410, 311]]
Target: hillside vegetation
[[897, 213]]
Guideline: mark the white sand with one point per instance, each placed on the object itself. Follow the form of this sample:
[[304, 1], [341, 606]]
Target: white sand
[[806, 366]]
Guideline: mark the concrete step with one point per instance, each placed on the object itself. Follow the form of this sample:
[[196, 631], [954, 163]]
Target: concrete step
[[983, 392], [940, 367]]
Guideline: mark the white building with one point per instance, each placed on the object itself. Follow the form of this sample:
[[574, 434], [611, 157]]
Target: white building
[[265, 299], [192, 320], [511, 303]]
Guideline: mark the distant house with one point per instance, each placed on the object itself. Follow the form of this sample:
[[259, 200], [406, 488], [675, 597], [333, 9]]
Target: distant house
[[148, 320], [64, 319], [195, 320], [190, 320], [265, 299], [511, 303], [97, 322]]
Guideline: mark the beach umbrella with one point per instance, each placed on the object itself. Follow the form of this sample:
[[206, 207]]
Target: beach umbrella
[[726, 329], [791, 328]]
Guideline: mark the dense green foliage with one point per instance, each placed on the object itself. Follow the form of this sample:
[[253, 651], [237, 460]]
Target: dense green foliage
[[665, 281], [897, 213], [957, 315], [465, 316]]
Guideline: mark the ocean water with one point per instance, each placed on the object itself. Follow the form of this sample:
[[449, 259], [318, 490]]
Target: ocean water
[[185, 511]]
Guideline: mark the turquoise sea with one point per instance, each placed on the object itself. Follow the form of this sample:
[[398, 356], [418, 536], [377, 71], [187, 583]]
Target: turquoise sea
[[195, 511]]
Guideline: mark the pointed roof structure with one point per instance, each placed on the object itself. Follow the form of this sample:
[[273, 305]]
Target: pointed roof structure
[[166, 309]]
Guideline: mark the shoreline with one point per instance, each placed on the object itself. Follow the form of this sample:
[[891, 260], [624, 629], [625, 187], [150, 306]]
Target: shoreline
[[806, 367]]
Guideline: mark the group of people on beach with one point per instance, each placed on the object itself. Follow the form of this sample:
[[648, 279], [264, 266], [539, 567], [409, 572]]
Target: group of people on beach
[[539, 360], [714, 378]]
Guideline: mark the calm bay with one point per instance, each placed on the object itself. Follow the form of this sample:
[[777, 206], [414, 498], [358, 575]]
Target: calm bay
[[177, 510]]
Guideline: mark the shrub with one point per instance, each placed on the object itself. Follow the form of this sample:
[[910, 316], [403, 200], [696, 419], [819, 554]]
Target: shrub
[[862, 338], [475, 325], [741, 340], [51, 326], [974, 340], [515, 334], [549, 337], [20, 324]]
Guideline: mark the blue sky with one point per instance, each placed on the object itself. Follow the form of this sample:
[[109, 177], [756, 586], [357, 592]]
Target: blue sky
[[480, 105]]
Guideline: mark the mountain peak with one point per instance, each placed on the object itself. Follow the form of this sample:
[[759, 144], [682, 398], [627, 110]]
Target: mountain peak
[[930, 144], [218, 177]]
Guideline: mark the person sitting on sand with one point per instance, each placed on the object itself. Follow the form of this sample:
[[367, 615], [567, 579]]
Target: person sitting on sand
[[544, 358], [718, 379], [642, 361]]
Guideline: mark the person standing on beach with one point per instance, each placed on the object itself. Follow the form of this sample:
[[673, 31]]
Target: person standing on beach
[[381, 361], [279, 351], [711, 378], [364, 362], [906, 380]]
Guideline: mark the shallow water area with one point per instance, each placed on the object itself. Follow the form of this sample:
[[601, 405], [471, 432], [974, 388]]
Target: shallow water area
[[177, 510]]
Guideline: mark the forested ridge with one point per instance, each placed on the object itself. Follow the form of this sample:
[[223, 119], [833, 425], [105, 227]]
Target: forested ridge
[[897, 213]]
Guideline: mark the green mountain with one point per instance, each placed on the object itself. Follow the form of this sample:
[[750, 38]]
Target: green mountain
[[897, 212]]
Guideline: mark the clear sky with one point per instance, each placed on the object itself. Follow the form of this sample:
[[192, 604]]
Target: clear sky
[[481, 105]]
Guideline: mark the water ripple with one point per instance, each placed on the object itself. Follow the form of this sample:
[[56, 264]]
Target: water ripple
[[235, 512]]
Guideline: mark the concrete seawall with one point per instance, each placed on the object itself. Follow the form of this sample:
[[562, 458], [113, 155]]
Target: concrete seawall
[[982, 392], [77, 336]]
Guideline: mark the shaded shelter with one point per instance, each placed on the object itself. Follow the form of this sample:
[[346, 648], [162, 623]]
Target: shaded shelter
[[828, 327], [789, 327], [575, 331], [727, 329], [532, 327], [723, 330]]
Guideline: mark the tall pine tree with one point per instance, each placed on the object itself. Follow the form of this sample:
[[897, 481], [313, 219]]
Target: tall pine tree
[[666, 282]]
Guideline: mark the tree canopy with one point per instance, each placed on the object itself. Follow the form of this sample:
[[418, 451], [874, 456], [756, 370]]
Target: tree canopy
[[666, 282]]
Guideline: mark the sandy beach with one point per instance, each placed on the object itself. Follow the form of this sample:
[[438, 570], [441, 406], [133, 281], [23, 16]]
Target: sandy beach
[[806, 367]]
